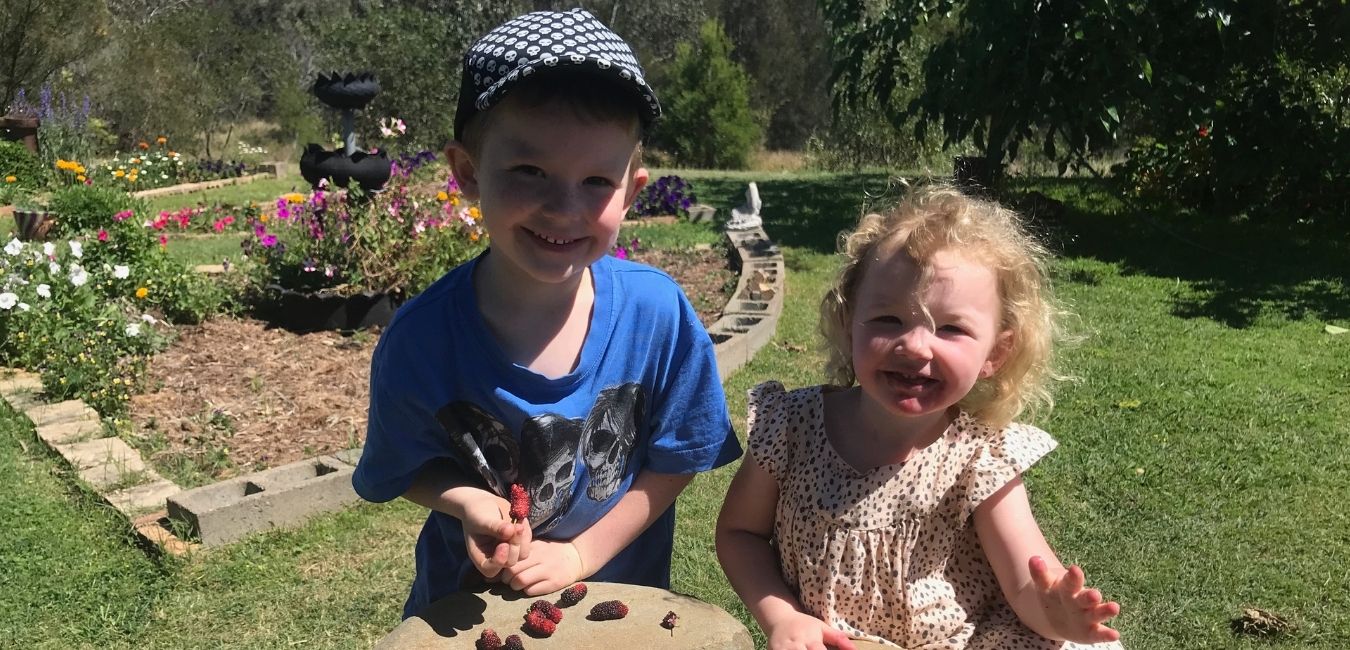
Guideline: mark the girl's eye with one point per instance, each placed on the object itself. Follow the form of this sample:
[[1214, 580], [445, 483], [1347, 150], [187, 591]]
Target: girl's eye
[[953, 329], [889, 320]]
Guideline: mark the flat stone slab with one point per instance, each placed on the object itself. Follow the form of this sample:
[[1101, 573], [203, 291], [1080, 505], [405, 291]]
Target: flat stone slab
[[150, 497], [22, 401], [67, 411], [64, 433], [150, 529], [455, 622], [21, 382], [92, 453]]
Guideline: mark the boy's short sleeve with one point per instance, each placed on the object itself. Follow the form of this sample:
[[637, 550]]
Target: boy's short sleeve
[[770, 448], [1002, 456], [691, 429], [401, 435]]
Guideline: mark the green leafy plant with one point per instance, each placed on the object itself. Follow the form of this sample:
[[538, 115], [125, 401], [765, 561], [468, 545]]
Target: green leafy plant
[[19, 168], [708, 121]]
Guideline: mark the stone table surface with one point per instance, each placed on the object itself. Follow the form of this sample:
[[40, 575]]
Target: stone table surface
[[455, 622]]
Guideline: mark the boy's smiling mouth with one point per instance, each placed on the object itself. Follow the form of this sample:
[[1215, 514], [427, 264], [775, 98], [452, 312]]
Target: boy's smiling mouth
[[549, 239]]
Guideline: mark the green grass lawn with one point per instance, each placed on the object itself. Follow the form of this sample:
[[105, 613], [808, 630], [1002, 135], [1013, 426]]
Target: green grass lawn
[[1202, 467]]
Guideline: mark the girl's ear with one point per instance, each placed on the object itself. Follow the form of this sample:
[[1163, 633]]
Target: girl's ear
[[997, 356], [462, 166]]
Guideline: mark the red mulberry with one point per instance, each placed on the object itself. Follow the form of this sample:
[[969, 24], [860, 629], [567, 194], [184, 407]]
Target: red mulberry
[[513, 643], [670, 621], [549, 610], [608, 611], [520, 502], [537, 624], [488, 640], [572, 595]]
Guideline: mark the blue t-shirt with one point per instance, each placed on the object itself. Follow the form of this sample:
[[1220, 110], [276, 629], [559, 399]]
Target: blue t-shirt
[[644, 395]]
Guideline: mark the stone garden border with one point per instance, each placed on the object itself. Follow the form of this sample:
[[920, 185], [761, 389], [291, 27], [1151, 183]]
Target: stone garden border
[[229, 510]]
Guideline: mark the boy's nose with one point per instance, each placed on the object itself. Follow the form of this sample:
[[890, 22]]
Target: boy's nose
[[564, 201]]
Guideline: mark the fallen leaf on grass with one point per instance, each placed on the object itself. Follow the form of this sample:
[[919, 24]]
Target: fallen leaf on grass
[[1129, 404], [1255, 621], [1333, 330]]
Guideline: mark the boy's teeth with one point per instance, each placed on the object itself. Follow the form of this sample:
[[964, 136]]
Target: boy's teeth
[[552, 240]]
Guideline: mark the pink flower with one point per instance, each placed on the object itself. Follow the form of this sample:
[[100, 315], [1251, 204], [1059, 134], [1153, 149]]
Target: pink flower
[[269, 241], [122, 216], [621, 253], [163, 240], [102, 235]]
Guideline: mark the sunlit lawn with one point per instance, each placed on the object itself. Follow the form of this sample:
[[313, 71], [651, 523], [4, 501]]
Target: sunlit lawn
[[1202, 466]]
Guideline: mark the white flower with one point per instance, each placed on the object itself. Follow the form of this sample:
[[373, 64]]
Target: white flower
[[44, 290], [79, 276], [14, 247], [149, 319], [48, 249], [54, 268], [133, 329], [8, 300], [23, 306], [121, 272], [76, 249]]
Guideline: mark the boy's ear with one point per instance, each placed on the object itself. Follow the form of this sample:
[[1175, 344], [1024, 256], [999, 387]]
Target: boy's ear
[[999, 355], [462, 166], [635, 185]]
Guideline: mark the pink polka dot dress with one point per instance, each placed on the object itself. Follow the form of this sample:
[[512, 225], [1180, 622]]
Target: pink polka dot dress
[[890, 555]]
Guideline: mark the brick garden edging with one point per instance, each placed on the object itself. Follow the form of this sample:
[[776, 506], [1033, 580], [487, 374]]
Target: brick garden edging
[[229, 510]]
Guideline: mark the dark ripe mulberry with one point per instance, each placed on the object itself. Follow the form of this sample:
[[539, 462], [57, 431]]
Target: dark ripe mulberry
[[520, 502], [608, 611], [488, 640], [548, 609], [513, 643], [572, 595], [537, 624], [670, 621]]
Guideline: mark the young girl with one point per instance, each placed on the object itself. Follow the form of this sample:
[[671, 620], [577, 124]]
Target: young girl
[[890, 507]]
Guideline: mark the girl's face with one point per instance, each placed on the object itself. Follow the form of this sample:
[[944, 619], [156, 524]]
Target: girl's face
[[914, 364]]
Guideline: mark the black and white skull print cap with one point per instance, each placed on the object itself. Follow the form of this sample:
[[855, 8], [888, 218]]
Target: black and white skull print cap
[[541, 41]]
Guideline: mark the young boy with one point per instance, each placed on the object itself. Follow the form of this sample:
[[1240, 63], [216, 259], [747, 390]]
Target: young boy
[[546, 362]]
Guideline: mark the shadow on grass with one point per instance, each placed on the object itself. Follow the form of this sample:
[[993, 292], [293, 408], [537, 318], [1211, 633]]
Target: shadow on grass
[[1237, 273]]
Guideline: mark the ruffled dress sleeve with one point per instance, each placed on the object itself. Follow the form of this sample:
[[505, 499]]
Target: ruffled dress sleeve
[[769, 444], [1002, 456]]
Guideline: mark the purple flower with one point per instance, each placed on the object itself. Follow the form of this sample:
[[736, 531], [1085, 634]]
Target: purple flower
[[269, 240]]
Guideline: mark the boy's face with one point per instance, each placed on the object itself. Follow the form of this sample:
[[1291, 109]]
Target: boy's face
[[553, 188]]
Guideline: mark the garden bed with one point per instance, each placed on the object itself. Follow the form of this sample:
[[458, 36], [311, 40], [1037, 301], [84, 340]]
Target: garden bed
[[232, 396]]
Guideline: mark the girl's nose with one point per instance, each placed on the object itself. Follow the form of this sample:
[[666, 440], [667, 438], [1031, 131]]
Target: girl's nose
[[914, 343]]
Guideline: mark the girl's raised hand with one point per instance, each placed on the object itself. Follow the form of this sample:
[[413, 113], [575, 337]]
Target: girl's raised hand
[[1075, 612], [804, 632]]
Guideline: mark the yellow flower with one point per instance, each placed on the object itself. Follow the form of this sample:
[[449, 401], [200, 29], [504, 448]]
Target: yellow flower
[[142, 293], [263, 218], [80, 178], [117, 173], [135, 161], [475, 212], [11, 179], [473, 236], [454, 200], [161, 140], [294, 197], [442, 196]]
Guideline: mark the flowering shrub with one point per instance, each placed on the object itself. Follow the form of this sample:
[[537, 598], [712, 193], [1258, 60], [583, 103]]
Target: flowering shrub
[[82, 323], [1180, 168], [399, 240], [19, 168], [668, 195]]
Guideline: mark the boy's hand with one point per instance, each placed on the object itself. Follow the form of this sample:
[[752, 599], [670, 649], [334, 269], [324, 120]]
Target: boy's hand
[[801, 631], [547, 567], [1076, 613], [493, 542]]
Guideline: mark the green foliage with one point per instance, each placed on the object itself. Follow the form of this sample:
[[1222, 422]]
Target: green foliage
[[17, 161], [707, 122], [87, 208]]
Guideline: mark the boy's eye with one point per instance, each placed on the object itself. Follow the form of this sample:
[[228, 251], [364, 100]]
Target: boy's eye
[[528, 170], [600, 181]]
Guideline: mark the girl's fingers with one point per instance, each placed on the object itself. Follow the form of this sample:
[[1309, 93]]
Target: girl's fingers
[[837, 639], [1040, 573], [1087, 598], [1071, 582]]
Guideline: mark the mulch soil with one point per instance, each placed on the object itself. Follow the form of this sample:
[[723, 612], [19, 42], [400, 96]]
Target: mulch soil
[[267, 397]]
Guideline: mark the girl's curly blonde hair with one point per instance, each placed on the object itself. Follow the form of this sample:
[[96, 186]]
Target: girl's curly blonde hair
[[937, 218]]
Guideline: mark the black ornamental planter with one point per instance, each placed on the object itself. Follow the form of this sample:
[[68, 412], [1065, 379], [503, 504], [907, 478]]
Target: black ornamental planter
[[33, 225], [315, 311], [370, 171], [348, 93]]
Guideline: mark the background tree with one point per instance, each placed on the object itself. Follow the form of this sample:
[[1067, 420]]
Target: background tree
[[39, 38], [707, 118]]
